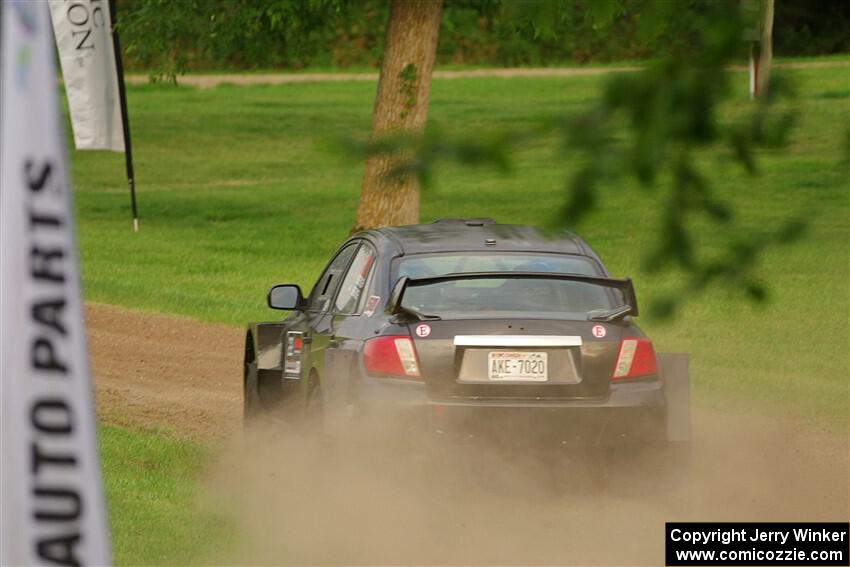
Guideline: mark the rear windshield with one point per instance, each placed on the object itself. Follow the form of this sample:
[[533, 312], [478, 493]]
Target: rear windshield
[[505, 297], [509, 297], [440, 264]]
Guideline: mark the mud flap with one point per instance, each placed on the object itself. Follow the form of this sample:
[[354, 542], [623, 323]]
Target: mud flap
[[677, 393], [268, 345]]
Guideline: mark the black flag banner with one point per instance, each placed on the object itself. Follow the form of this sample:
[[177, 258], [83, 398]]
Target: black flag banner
[[52, 497]]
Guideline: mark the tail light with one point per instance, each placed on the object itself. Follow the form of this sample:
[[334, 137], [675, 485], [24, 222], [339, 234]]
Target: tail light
[[391, 356], [635, 359]]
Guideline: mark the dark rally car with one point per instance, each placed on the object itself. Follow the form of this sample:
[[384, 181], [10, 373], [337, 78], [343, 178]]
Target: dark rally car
[[463, 323]]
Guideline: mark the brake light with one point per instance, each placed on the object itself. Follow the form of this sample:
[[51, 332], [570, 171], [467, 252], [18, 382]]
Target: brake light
[[393, 356], [636, 358]]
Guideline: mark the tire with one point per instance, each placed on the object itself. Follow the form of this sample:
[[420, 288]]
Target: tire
[[251, 406]]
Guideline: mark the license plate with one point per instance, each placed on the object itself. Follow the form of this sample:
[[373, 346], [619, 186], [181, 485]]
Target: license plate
[[517, 366]]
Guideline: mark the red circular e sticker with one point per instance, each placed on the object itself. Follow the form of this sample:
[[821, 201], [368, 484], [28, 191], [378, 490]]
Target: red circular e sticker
[[423, 330], [599, 331]]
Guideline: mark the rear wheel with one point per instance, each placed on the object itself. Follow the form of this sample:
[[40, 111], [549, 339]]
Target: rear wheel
[[251, 408]]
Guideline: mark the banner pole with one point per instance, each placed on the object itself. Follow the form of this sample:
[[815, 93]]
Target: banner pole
[[125, 120]]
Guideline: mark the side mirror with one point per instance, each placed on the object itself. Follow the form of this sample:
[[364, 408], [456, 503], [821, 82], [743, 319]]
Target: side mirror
[[287, 297]]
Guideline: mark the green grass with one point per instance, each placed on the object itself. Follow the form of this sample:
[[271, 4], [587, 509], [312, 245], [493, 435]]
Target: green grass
[[152, 495], [239, 190]]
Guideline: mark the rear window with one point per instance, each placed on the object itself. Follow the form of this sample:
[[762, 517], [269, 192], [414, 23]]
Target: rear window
[[440, 264], [509, 297], [505, 297]]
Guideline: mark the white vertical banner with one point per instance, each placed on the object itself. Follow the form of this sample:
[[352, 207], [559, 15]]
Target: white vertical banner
[[52, 508], [83, 30]]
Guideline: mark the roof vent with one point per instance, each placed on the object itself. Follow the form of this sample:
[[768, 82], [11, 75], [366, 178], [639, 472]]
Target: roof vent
[[467, 222]]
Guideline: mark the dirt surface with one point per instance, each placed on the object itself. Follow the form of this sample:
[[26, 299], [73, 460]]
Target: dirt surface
[[159, 371], [208, 81], [298, 499], [375, 501]]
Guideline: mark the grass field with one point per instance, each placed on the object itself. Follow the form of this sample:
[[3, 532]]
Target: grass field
[[239, 189], [153, 501]]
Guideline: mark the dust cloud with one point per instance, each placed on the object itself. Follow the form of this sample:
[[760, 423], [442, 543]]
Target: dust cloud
[[377, 497]]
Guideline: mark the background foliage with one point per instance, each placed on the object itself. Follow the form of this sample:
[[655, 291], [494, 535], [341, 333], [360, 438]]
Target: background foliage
[[650, 125], [171, 37]]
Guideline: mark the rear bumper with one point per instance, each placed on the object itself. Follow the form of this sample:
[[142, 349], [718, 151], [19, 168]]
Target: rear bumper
[[632, 412]]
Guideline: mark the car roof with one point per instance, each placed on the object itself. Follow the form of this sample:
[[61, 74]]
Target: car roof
[[470, 235]]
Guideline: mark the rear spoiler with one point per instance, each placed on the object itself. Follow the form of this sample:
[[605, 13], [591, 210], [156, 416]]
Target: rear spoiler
[[624, 286]]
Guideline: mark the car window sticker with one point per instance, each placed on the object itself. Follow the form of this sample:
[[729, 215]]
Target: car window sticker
[[371, 305]]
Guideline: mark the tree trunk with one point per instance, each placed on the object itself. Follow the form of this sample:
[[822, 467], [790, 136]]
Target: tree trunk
[[401, 106], [766, 56]]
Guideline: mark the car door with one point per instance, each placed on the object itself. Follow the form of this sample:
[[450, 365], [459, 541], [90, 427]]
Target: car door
[[318, 316], [346, 325]]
